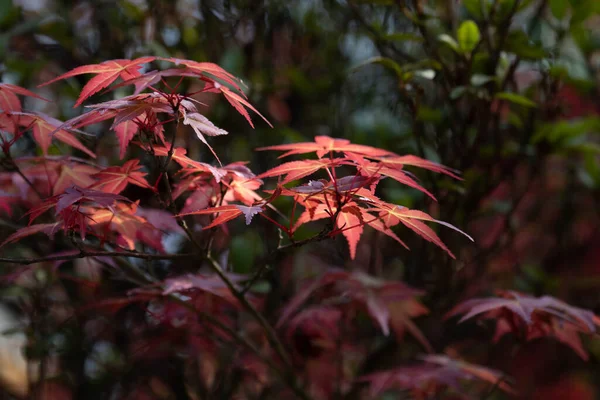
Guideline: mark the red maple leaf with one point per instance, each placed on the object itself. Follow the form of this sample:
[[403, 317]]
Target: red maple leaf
[[299, 169], [391, 214], [8, 96], [435, 374], [537, 317], [381, 299], [115, 179], [106, 73], [324, 145], [45, 128], [227, 213]]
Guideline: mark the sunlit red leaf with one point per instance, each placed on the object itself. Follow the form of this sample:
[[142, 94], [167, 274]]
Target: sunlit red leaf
[[299, 169], [400, 161], [324, 145], [115, 179], [74, 174], [227, 213], [106, 73]]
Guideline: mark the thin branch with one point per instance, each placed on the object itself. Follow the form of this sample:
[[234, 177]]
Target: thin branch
[[84, 253]]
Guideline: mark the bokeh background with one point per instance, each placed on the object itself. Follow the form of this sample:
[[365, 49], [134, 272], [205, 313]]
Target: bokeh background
[[363, 70]]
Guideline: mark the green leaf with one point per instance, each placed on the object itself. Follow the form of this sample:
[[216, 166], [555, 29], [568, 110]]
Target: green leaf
[[468, 36], [425, 73], [449, 40], [386, 62], [474, 7], [559, 8], [458, 92], [516, 99], [519, 43], [480, 79], [403, 37]]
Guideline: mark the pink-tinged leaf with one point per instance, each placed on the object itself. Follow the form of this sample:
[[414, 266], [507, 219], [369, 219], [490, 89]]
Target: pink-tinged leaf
[[160, 219], [299, 169], [8, 99], [75, 195], [375, 169], [238, 102], [349, 221], [115, 179], [48, 229], [74, 174], [202, 125], [536, 317], [324, 145], [249, 212], [226, 213], [107, 72], [205, 69], [125, 131], [306, 292], [179, 156], [45, 128], [400, 161], [206, 283], [392, 214], [243, 190], [435, 373]]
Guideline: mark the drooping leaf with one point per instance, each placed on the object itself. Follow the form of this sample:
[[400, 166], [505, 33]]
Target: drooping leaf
[[202, 126]]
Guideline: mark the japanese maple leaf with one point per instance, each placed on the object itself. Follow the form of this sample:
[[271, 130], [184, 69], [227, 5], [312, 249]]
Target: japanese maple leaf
[[434, 374], [106, 73], [243, 190], [324, 145], [541, 317], [74, 174], [45, 128], [379, 298], [8, 96], [202, 126], [299, 169], [115, 179], [400, 161], [179, 156], [349, 221], [130, 227], [76, 194], [392, 214], [49, 229], [238, 102], [206, 283], [351, 183], [206, 69], [375, 169], [227, 213]]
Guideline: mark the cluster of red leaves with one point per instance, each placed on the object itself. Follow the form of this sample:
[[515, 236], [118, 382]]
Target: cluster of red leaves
[[435, 375], [349, 202], [319, 320], [530, 318]]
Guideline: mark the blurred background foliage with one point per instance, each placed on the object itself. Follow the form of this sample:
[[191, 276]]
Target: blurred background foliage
[[506, 92]]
